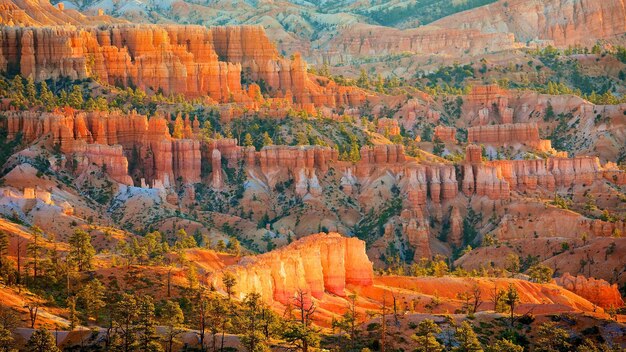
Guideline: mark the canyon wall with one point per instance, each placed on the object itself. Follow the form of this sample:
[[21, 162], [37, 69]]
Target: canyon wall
[[551, 173], [189, 60], [509, 134], [316, 264], [112, 138], [564, 22], [362, 40]]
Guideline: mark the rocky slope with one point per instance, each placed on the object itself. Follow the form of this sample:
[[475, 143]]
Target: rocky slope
[[564, 22]]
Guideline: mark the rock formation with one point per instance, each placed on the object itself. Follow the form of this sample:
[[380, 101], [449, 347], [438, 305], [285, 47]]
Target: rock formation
[[317, 264], [189, 60], [111, 138], [553, 172], [42, 13], [388, 127], [561, 21], [509, 134], [445, 134], [366, 40], [596, 291]]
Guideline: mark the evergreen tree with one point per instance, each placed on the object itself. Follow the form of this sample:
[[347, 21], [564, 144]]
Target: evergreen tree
[[17, 91], [75, 98], [511, 298], [4, 246], [299, 330], [229, 281], [9, 320], [148, 340], [34, 250], [124, 317], [505, 345], [42, 341], [31, 91], [540, 273], [267, 140], [425, 337], [46, 97], [81, 251], [551, 338], [73, 314], [179, 128], [468, 341], [348, 323], [172, 318], [91, 298], [253, 319], [234, 246], [247, 140]]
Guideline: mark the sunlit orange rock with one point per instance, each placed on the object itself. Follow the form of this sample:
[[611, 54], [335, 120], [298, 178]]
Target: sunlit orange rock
[[596, 291], [315, 264]]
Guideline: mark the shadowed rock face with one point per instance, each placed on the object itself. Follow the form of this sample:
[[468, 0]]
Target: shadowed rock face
[[317, 264]]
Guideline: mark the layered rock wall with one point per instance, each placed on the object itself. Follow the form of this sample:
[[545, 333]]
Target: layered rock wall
[[508, 134], [316, 264], [111, 138], [564, 22], [189, 60]]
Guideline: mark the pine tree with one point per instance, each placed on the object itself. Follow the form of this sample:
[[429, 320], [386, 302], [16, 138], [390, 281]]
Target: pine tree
[[299, 331], [172, 318], [511, 298], [73, 314], [551, 338], [267, 140], [4, 246], [192, 277], [81, 251], [91, 298], [75, 98], [247, 140], [348, 323], [253, 320], [42, 341], [46, 97], [31, 91], [179, 128], [9, 320], [34, 250], [148, 340], [425, 337], [123, 320], [229, 281], [505, 345], [234, 246], [468, 341]]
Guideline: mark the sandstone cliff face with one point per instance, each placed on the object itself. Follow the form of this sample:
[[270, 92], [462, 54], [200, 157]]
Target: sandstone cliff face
[[563, 21], [509, 134], [110, 138], [445, 134], [189, 60], [317, 264], [551, 173], [366, 40], [596, 291]]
